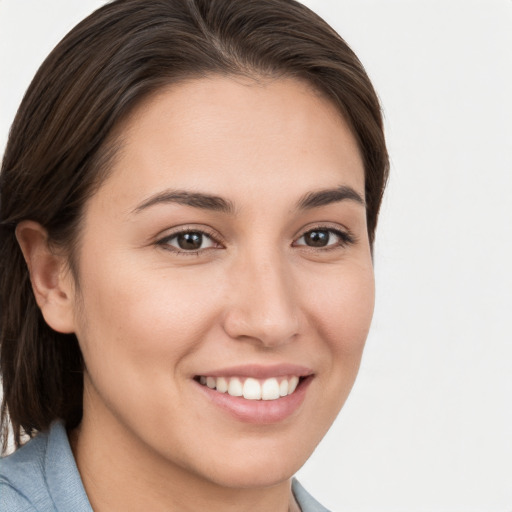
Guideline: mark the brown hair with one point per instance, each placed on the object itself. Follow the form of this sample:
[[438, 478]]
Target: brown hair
[[58, 149]]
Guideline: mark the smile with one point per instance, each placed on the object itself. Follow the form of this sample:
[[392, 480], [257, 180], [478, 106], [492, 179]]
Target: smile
[[257, 394], [250, 388]]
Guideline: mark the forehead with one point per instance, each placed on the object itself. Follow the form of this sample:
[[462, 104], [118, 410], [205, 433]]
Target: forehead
[[215, 133]]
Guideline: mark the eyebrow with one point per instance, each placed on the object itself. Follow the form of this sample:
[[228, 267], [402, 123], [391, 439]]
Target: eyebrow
[[329, 196], [194, 199], [219, 204]]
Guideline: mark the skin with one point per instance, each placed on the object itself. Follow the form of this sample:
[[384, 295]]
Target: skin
[[149, 318]]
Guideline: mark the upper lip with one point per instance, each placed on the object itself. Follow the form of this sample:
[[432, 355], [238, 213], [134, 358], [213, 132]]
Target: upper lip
[[258, 371]]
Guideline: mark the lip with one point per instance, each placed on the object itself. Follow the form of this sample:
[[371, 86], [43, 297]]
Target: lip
[[259, 412], [260, 371]]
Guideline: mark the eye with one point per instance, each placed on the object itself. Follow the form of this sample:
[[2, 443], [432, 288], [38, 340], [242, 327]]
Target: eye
[[191, 241], [324, 237]]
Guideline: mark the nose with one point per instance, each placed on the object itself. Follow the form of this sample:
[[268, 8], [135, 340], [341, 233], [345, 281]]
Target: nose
[[262, 305]]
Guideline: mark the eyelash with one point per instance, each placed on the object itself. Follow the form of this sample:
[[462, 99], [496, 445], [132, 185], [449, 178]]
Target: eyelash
[[165, 241], [345, 238]]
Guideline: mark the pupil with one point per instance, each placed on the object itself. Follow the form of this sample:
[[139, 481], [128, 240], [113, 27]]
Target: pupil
[[190, 241], [317, 238]]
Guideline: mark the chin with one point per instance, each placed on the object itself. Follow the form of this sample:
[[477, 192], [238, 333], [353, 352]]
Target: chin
[[253, 476], [259, 463]]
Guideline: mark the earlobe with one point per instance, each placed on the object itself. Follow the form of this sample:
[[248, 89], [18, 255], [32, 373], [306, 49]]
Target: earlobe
[[51, 280]]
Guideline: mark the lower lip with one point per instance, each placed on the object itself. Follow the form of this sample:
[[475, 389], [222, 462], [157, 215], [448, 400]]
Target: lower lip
[[261, 412]]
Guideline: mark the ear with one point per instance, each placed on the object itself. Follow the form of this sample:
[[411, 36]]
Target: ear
[[51, 279]]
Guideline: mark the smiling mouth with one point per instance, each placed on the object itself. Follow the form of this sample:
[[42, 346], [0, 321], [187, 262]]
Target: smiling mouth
[[249, 388]]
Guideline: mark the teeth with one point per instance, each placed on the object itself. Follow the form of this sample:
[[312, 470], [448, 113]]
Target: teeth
[[252, 389], [293, 384], [283, 388], [235, 387], [222, 385], [270, 389]]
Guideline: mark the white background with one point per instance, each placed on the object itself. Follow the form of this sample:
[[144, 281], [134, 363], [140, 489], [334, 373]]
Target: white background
[[428, 426]]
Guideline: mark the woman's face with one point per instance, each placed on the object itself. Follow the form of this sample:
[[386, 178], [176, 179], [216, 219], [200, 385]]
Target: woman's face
[[227, 248]]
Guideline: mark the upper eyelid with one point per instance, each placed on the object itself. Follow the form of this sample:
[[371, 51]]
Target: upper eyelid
[[346, 238], [172, 232], [327, 226], [164, 242]]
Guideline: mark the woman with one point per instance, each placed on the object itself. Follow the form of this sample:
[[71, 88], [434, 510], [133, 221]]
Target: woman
[[189, 198]]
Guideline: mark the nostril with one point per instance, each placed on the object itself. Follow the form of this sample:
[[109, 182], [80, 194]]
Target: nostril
[[254, 327]]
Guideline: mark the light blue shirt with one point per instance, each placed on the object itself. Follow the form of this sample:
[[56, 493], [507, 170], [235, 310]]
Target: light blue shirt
[[42, 476]]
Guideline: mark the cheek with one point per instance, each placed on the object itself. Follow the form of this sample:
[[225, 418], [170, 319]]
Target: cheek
[[343, 308], [136, 318], [138, 331], [340, 309]]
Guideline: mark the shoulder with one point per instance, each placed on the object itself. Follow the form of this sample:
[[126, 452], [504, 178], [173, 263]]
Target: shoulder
[[306, 502], [22, 482], [13, 500], [42, 476]]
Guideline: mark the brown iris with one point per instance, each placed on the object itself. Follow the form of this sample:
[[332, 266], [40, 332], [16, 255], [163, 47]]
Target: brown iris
[[317, 238], [190, 241]]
